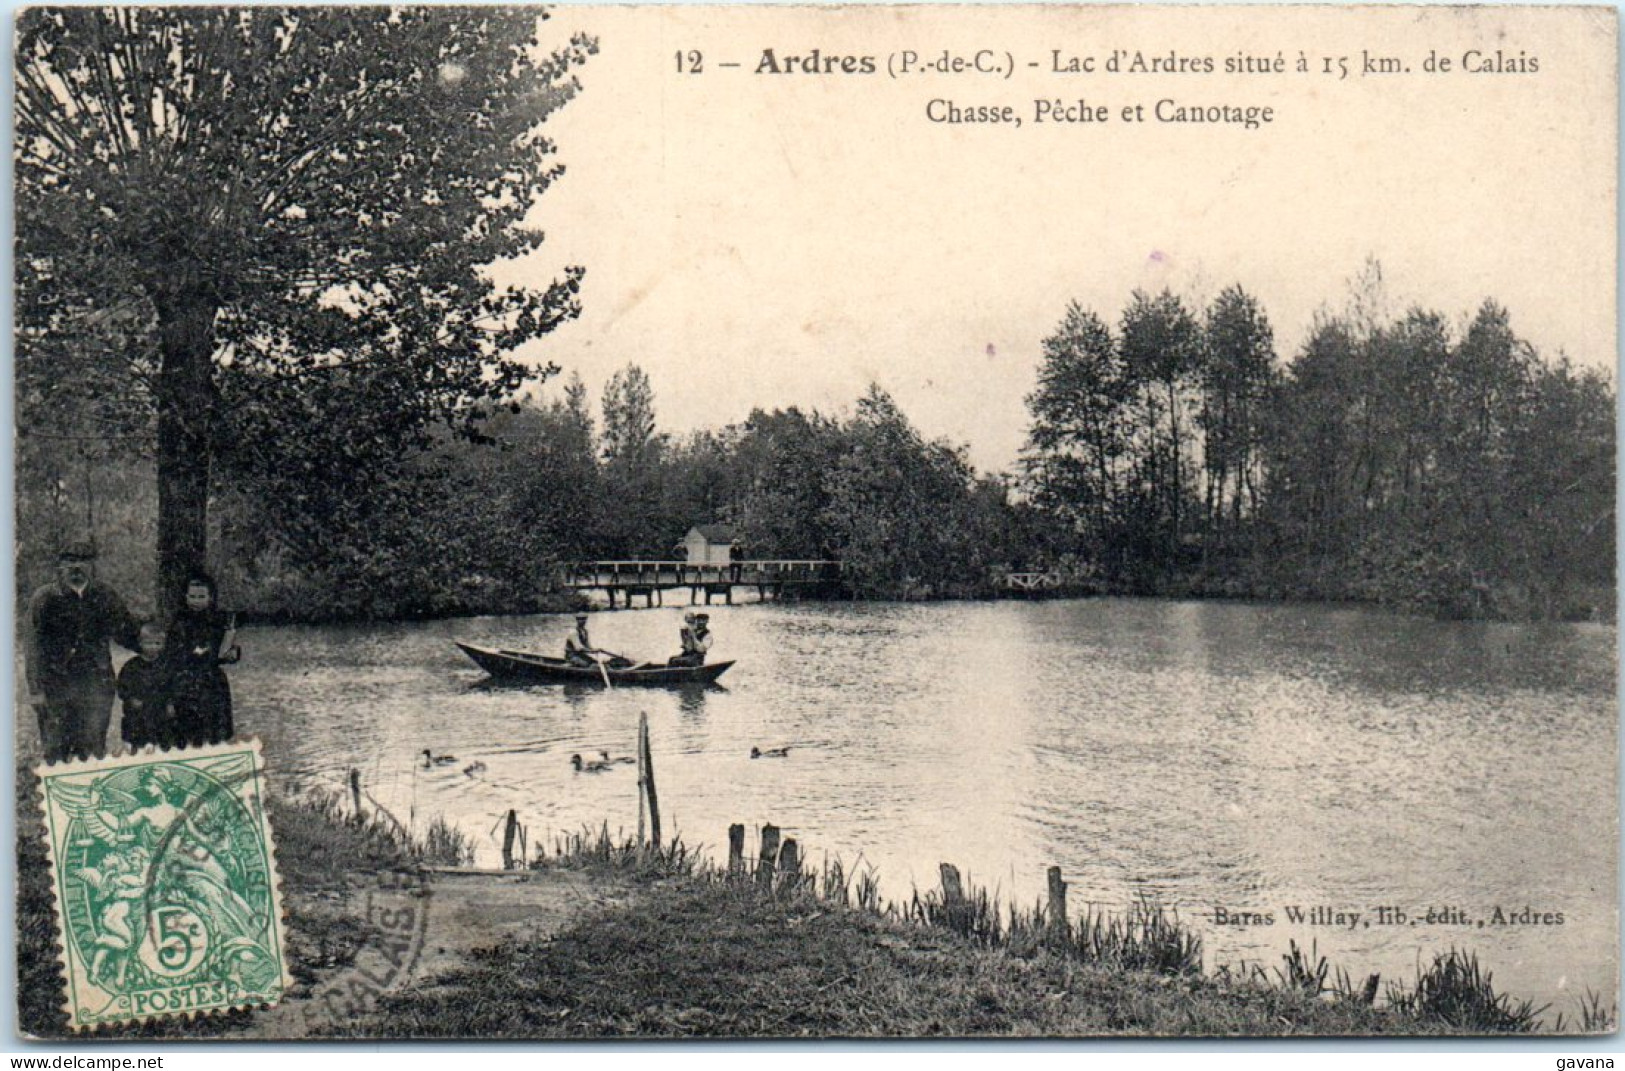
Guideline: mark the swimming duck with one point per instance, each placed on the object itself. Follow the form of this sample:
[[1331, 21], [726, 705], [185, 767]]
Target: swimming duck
[[587, 767], [617, 760], [430, 759], [770, 753], [473, 768]]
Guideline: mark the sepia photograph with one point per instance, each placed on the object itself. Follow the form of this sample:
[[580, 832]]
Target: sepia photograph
[[588, 523]]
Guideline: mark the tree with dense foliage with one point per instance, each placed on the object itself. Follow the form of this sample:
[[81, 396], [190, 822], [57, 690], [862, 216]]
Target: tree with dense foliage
[[1161, 346], [1081, 423], [784, 460], [901, 509], [633, 453], [1237, 376], [1313, 426], [629, 419], [289, 211]]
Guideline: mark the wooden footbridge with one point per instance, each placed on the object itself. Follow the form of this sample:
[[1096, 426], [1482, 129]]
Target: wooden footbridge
[[652, 579], [1037, 583]]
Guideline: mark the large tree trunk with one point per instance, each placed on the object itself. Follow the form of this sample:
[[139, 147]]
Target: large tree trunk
[[186, 414]]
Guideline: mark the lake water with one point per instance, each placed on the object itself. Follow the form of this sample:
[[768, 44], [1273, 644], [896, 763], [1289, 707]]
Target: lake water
[[1243, 757]]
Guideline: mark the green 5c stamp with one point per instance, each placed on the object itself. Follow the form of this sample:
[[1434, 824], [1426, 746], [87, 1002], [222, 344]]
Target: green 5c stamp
[[166, 885]]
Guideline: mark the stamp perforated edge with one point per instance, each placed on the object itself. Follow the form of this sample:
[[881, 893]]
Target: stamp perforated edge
[[115, 761]]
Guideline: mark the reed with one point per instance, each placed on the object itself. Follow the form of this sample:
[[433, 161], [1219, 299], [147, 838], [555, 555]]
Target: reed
[[1306, 974], [1149, 937], [445, 845], [385, 837], [598, 849], [975, 915], [1593, 1017], [1454, 990], [441, 843], [866, 892]]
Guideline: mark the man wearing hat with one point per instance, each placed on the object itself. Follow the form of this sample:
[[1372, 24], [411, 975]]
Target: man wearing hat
[[70, 670], [579, 651], [578, 648], [696, 638]]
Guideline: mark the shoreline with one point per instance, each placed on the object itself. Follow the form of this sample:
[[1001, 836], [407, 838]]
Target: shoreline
[[571, 604], [605, 939]]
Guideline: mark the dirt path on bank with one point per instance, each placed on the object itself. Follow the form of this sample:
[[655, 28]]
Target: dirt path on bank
[[431, 927]]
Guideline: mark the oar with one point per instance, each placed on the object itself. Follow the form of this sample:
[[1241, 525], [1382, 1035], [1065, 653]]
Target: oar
[[602, 672]]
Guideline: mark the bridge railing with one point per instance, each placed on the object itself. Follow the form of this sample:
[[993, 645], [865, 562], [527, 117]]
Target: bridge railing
[[643, 573], [1033, 581]]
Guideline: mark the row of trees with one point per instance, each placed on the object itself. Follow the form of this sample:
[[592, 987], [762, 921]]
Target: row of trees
[[468, 526], [257, 327], [1395, 459]]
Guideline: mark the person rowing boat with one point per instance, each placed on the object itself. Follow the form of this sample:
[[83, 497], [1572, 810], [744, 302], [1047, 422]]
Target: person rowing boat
[[579, 651]]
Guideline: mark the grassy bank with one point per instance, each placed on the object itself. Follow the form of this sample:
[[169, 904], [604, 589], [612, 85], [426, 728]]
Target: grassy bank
[[813, 952], [324, 858], [701, 953]]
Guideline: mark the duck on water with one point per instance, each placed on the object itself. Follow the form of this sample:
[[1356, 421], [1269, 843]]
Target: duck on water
[[595, 766]]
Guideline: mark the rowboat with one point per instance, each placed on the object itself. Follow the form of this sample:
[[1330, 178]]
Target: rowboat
[[521, 665]]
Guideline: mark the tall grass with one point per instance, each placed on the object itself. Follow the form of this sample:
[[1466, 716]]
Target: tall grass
[[1454, 990], [592, 849], [1148, 937], [974, 915], [1306, 974], [444, 844], [1593, 1016], [441, 843]]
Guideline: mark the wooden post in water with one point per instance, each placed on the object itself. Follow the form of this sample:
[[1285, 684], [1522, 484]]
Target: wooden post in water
[[736, 850], [1057, 903], [646, 762], [955, 910], [510, 830], [638, 750], [789, 864], [355, 792], [769, 855]]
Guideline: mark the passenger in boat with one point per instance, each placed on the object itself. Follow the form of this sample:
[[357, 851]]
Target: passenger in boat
[[685, 637], [696, 641]]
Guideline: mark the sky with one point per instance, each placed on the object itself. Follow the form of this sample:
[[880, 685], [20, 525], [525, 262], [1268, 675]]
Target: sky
[[767, 240]]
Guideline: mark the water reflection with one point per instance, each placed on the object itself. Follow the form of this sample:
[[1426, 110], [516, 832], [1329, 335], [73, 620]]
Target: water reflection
[[1211, 754]]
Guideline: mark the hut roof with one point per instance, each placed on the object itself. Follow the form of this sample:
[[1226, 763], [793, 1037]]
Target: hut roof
[[716, 533]]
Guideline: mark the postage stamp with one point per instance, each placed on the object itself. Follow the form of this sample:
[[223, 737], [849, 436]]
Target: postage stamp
[[166, 888]]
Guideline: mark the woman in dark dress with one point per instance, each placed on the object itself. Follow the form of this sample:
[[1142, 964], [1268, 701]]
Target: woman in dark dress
[[200, 642]]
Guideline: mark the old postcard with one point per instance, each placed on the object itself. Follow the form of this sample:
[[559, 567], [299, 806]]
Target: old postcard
[[809, 522]]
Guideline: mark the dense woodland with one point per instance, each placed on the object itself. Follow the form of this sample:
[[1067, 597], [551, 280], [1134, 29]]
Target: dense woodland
[[1401, 460], [1404, 461], [257, 330]]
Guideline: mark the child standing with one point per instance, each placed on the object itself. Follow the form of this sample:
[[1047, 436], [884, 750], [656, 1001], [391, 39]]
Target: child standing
[[143, 691]]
